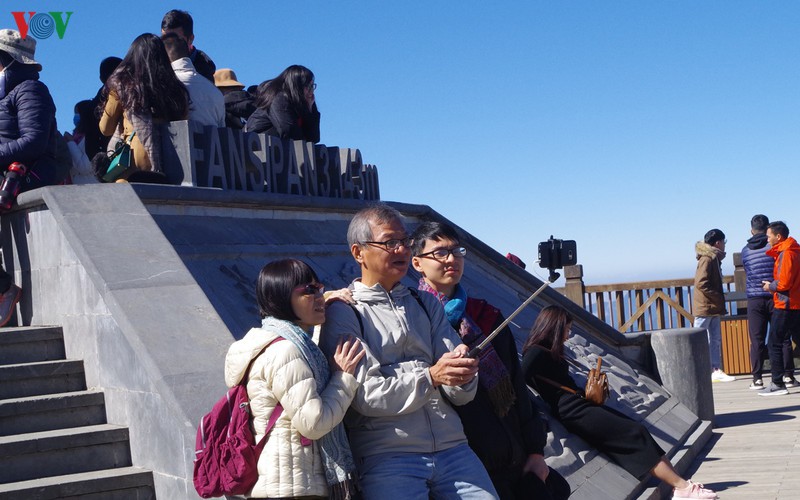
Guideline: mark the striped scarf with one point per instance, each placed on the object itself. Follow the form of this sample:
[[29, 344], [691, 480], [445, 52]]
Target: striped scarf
[[493, 375]]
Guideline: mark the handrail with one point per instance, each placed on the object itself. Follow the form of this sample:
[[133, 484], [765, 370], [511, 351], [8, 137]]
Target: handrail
[[642, 305]]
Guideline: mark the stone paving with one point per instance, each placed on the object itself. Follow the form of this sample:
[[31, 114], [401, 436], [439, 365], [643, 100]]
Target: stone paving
[[755, 449]]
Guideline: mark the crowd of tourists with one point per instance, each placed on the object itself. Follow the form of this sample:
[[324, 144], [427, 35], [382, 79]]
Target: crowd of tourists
[[388, 404], [400, 409], [117, 133], [161, 78]]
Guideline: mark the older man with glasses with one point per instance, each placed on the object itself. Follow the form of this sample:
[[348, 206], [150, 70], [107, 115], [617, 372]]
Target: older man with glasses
[[501, 425], [407, 439]]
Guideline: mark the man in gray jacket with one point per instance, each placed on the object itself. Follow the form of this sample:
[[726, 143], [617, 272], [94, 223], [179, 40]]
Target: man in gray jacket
[[407, 440]]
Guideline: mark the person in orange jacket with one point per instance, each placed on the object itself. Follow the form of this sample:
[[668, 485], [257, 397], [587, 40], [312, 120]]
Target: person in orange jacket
[[785, 287]]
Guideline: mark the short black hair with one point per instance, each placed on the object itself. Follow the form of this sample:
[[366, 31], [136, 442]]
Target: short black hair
[[779, 227], [178, 19], [714, 236], [759, 223], [107, 66], [276, 281], [176, 46], [431, 230]]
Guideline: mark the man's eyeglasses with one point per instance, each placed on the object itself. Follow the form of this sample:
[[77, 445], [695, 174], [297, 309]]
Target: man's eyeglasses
[[311, 289], [394, 244], [442, 253]]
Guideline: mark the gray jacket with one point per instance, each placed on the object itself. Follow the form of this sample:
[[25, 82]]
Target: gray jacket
[[397, 408]]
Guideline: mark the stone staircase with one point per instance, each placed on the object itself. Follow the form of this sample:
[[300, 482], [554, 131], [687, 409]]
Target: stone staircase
[[55, 441]]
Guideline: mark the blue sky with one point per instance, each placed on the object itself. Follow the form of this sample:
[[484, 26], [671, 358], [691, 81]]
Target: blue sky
[[631, 127]]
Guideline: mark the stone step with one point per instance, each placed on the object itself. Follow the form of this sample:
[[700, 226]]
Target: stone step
[[27, 344], [45, 377], [63, 451], [51, 411], [125, 483]]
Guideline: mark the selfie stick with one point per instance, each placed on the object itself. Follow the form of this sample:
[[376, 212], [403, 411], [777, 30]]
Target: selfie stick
[[475, 351]]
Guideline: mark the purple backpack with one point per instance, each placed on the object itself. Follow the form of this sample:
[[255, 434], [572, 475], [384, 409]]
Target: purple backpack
[[226, 455]]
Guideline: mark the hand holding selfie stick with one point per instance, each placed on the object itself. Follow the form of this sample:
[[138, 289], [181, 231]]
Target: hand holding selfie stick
[[553, 254], [477, 350]]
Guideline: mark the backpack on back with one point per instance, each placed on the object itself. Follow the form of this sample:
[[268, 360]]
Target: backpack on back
[[226, 454]]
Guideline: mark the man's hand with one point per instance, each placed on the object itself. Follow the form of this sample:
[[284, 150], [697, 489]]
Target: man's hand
[[537, 465], [765, 285], [454, 368]]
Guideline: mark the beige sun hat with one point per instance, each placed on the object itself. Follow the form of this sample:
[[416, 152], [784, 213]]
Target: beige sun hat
[[226, 78], [21, 49]]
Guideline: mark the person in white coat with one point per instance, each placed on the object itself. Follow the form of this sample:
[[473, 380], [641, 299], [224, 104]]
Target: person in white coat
[[307, 453]]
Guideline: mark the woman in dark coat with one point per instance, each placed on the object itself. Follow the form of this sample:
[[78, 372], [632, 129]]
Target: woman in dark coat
[[28, 132], [625, 441], [286, 107]]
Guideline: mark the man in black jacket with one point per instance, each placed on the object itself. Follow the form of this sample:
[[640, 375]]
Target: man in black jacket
[[28, 133], [182, 24]]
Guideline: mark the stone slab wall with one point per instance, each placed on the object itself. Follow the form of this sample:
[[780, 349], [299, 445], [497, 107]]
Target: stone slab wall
[[153, 283]]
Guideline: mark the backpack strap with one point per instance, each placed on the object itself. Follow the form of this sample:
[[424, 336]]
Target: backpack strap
[[358, 317], [247, 372], [276, 412], [415, 293]]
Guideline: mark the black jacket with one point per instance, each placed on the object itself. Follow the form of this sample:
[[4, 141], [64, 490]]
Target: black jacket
[[202, 63], [239, 106], [284, 121], [503, 442], [28, 130]]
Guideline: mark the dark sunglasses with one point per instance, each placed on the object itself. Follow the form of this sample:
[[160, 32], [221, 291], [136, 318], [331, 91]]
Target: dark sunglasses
[[311, 289]]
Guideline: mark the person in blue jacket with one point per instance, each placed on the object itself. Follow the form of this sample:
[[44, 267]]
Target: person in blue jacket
[[758, 268], [28, 132]]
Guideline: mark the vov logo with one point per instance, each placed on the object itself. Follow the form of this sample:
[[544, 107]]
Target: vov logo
[[42, 24]]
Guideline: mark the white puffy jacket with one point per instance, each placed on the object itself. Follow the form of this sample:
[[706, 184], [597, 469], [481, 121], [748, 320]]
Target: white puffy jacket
[[286, 467]]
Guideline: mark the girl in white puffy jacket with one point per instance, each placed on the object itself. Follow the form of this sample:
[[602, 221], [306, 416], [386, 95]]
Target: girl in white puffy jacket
[[306, 454]]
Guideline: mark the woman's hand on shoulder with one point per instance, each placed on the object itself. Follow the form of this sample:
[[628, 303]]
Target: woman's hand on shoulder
[[349, 353], [343, 294]]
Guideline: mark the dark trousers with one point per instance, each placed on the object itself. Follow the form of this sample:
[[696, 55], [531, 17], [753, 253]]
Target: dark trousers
[[784, 327], [511, 484], [759, 313], [5, 280]]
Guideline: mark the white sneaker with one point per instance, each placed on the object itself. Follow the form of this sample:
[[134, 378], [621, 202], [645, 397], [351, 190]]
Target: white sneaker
[[692, 491], [720, 376]]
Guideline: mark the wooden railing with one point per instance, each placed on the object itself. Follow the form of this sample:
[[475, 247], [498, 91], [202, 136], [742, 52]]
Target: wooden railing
[[641, 306]]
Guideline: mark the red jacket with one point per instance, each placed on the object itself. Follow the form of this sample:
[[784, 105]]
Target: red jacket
[[786, 274]]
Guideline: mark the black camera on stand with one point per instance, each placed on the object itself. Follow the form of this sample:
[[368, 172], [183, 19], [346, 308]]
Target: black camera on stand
[[555, 254]]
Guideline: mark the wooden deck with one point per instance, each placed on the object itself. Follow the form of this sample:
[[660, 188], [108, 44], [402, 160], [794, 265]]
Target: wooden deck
[[755, 449]]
